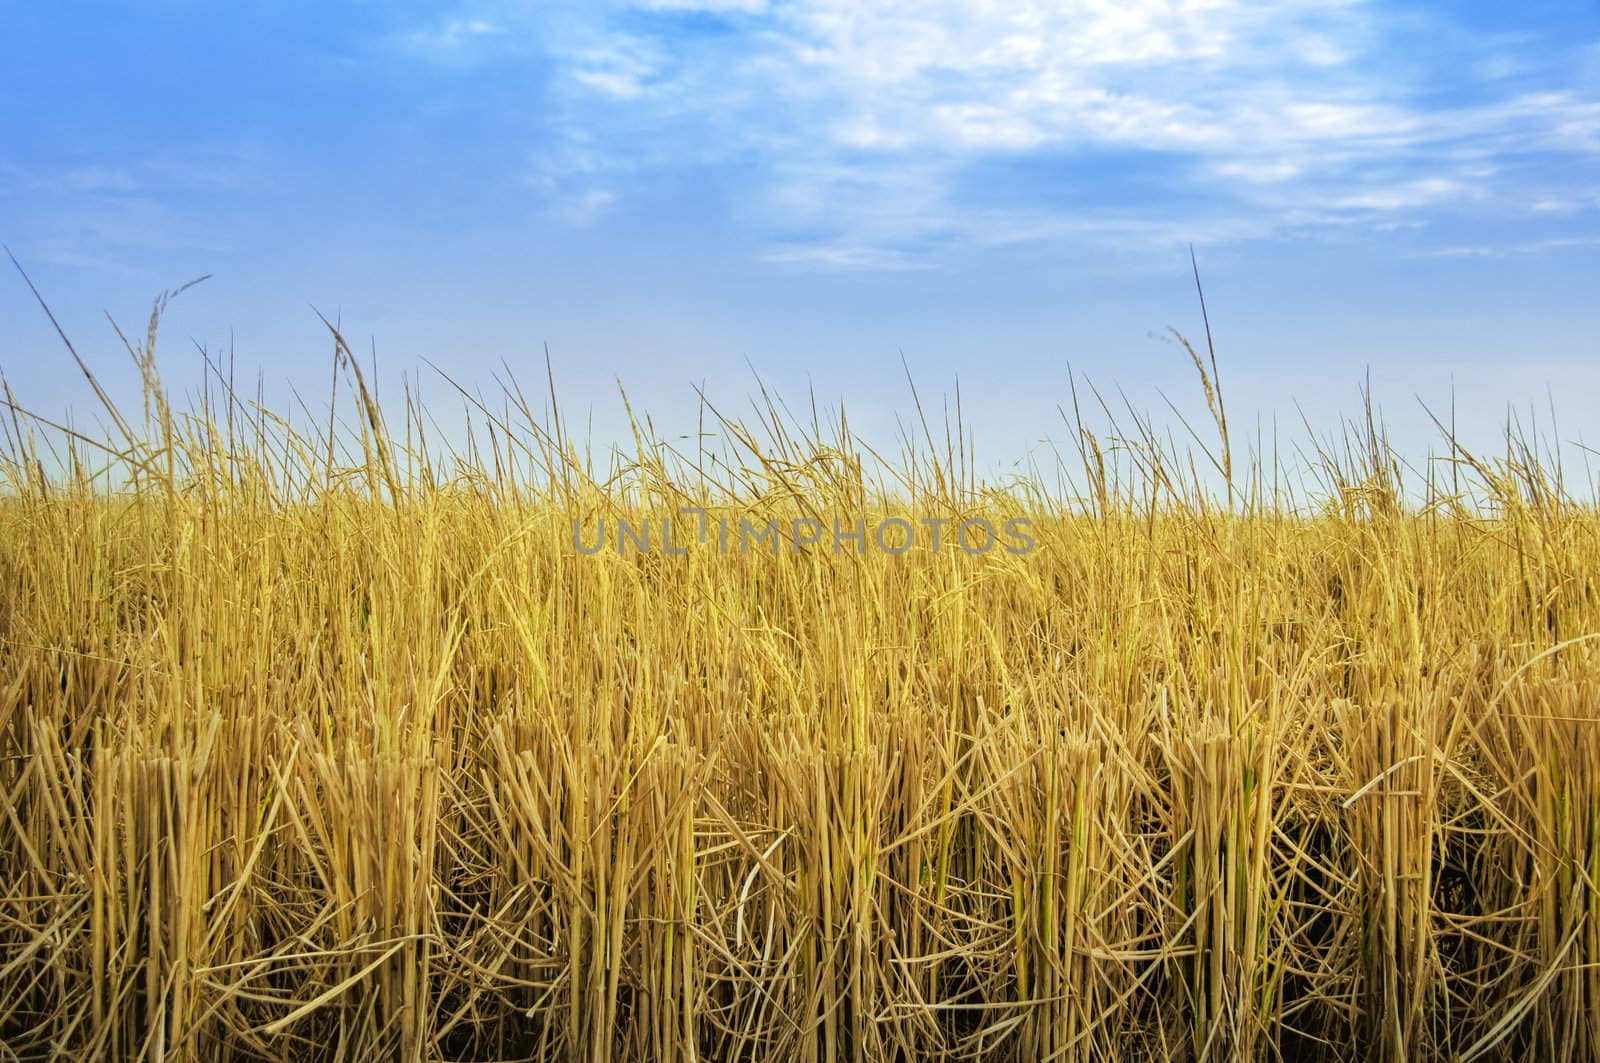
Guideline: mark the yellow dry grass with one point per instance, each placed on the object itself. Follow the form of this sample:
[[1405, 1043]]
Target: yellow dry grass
[[313, 746]]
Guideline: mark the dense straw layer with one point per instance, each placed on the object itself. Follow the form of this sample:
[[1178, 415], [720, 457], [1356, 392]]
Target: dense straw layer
[[313, 746]]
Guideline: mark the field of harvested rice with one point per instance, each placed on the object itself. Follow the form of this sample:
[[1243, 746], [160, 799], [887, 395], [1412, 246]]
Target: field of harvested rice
[[322, 740]]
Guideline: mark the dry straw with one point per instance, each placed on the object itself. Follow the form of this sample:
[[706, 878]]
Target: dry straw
[[319, 741]]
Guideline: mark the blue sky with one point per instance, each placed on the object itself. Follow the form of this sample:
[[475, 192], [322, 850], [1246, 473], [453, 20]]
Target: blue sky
[[664, 189]]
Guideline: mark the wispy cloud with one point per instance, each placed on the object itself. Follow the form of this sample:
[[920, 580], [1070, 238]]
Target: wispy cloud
[[862, 124], [841, 257], [454, 41], [584, 207], [108, 215], [620, 71], [1526, 247], [744, 7]]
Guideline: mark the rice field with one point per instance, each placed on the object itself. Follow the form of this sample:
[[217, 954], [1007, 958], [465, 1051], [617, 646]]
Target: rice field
[[320, 739]]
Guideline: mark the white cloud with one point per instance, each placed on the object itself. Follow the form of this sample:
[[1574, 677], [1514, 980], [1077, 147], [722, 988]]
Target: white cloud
[[1403, 196], [843, 258], [448, 39], [718, 7], [1282, 115], [620, 71], [1263, 172], [1550, 205], [1529, 247], [586, 206]]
